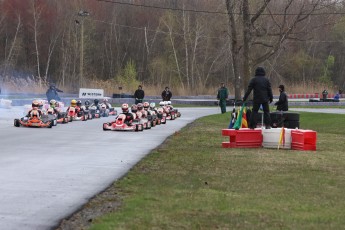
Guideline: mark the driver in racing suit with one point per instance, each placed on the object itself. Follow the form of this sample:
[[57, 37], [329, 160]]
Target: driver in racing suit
[[129, 116], [35, 111]]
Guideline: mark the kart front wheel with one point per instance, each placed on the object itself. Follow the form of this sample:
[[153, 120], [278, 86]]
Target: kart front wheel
[[104, 127], [16, 122]]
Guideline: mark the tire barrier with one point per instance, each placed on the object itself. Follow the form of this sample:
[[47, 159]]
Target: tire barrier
[[242, 138], [295, 139], [303, 140]]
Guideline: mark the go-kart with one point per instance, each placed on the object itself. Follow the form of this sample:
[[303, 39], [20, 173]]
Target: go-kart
[[75, 115], [141, 118], [106, 110], [120, 125], [95, 111], [57, 117], [161, 115], [32, 122], [87, 112]]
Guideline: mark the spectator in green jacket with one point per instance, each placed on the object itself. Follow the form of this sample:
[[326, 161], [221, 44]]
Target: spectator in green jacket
[[222, 96]]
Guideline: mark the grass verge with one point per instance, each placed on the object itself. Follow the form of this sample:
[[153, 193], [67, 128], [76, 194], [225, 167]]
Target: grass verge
[[190, 182]]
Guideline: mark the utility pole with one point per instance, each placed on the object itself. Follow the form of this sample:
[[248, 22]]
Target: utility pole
[[82, 14]]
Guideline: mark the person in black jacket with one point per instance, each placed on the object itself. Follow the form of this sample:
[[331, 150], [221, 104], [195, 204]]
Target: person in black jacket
[[282, 103], [52, 93], [262, 95], [166, 94], [139, 95]]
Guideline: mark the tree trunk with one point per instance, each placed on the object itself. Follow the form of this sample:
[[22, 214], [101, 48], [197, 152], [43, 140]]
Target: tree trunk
[[234, 50], [246, 41]]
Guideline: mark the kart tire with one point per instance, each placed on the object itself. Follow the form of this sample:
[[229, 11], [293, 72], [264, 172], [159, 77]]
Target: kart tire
[[141, 127], [148, 125], [105, 129], [158, 122], [50, 124], [54, 122], [178, 114], [16, 122]]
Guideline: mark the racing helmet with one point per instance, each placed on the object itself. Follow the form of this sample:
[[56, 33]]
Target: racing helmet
[[105, 100], [134, 108], [96, 101], [103, 106], [79, 103], [162, 103], [52, 103], [168, 102], [152, 105], [73, 103], [35, 105], [124, 107], [87, 103], [50, 111], [140, 106], [146, 105], [57, 104]]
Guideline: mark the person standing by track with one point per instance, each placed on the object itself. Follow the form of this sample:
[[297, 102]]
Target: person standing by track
[[262, 95], [222, 96], [139, 95]]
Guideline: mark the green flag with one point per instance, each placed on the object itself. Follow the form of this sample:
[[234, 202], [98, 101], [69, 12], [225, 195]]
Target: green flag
[[238, 123]]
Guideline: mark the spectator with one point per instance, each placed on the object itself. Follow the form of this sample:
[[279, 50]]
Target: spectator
[[337, 96], [222, 96], [139, 95], [324, 94], [282, 103], [52, 93], [166, 94], [262, 95]]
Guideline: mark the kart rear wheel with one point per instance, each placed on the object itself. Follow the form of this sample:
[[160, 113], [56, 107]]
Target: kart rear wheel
[[16, 122], [141, 127], [50, 124]]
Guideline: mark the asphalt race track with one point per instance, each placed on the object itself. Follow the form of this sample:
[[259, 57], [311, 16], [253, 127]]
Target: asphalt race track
[[47, 174]]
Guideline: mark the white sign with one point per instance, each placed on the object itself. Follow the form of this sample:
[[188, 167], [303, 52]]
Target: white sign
[[91, 93]]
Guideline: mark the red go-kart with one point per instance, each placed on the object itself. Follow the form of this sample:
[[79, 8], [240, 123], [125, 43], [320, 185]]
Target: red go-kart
[[120, 125]]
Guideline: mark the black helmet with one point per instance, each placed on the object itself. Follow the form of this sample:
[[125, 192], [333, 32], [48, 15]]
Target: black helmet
[[96, 101], [79, 103]]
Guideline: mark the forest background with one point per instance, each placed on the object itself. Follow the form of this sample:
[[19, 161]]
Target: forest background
[[189, 45]]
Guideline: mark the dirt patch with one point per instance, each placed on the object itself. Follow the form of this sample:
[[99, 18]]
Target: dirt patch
[[103, 203]]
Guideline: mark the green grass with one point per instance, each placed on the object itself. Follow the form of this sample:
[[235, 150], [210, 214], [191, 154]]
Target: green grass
[[190, 182]]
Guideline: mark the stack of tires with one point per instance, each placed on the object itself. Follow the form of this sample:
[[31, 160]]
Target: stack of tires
[[280, 119], [286, 119]]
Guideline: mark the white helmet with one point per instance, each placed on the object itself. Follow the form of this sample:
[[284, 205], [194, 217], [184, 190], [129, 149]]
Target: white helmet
[[152, 105], [162, 103], [168, 102]]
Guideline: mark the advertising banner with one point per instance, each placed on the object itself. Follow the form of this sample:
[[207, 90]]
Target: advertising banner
[[91, 93]]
